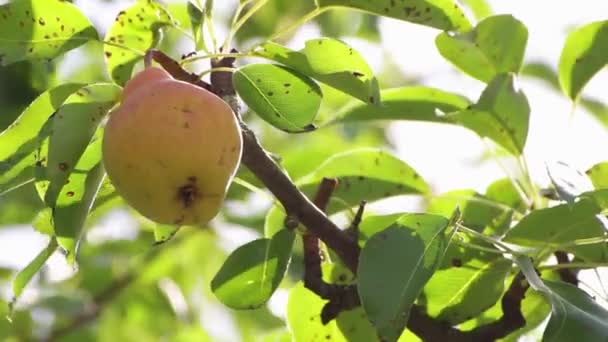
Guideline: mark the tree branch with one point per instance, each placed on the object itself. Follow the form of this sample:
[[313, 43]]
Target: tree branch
[[94, 309], [313, 275], [297, 205], [566, 275]]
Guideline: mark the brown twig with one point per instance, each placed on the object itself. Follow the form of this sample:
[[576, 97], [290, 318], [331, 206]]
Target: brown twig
[[566, 275], [173, 68], [295, 202], [313, 275], [297, 205]]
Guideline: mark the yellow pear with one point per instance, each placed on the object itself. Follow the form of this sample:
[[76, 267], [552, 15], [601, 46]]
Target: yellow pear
[[171, 149]]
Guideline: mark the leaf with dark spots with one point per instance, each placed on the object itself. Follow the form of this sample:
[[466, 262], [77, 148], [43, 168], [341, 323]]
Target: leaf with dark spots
[[444, 15], [25, 37], [502, 114], [477, 53], [407, 103], [137, 36], [73, 133], [21, 143], [364, 174], [292, 111], [331, 62], [253, 272]]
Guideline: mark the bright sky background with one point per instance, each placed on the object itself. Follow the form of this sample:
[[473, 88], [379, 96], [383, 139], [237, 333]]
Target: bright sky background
[[446, 156]]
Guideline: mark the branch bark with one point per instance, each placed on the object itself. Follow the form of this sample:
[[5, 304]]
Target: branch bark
[[297, 205]]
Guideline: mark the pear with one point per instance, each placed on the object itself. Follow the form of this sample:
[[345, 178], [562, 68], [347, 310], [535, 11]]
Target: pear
[[171, 149]]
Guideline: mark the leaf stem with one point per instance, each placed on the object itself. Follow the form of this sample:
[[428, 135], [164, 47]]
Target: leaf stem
[[488, 239], [208, 71], [477, 247], [573, 265], [213, 55]]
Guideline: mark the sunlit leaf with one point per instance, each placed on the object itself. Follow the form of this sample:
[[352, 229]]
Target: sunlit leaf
[[197, 20], [408, 103], [558, 227], [304, 315], [134, 31], [253, 272], [575, 315], [41, 29], [25, 275], [21, 140], [442, 14], [503, 191], [282, 97], [478, 212], [598, 174], [456, 294], [331, 62], [365, 174], [582, 57], [164, 232], [534, 307], [496, 45], [501, 114], [76, 197], [414, 245], [73, 127]]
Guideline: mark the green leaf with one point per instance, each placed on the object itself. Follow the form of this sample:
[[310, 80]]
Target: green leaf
[[501, 114], [459, 293], [364, 174], [331, 62], [304, 320], [134, 31], [399, 260], [274, 220], [253, 272], [557, 227], [534, 308], [545, 73], [598, 174], [304, 314], [582, 57], [496, 45], [574, 314], [407, 103], [503, 191], [41, 29], [24, 276], [164, 232], [76, 197], [282, 97], [73, 127], [478, 212], [19, 142], [442, 14], [43, 223], [197, 19]]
